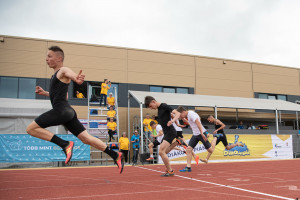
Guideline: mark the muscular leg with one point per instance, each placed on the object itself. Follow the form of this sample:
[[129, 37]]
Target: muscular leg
[[151, 145], [210, 150], [162, 152], [35, 130], [233, 145], [189, 150], [91, 140]]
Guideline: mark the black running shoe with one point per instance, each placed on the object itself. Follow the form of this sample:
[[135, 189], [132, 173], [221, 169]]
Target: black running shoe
[[180, 141], [167, 174]]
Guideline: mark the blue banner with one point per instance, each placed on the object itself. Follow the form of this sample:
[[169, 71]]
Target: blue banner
[[25, 148]]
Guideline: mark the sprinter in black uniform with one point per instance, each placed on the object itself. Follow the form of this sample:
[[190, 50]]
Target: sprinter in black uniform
[[164, 119], [218, 136], [62, 113]]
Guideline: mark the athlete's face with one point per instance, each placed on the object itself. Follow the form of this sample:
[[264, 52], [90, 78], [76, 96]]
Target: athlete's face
[[53, 59], [153, 105], [210, 119], [183, 114]]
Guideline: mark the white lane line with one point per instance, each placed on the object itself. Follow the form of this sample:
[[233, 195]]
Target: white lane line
[[221, 185]]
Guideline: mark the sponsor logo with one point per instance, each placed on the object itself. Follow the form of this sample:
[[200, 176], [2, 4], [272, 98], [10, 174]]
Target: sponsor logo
[[238, 150]]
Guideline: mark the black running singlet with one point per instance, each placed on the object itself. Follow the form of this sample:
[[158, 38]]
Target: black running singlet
[[58, 91]]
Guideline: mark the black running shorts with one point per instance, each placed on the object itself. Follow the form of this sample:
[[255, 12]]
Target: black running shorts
[[223, 140], [179, 134], [64, 115], [156, 143], [196, 138]]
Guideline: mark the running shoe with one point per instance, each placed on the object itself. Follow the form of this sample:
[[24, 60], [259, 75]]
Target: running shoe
[[204, 160], [197, 159], [180, 141], [149, 159], [240, 144], [167, 174], [68, 150], [186, 169], [120, 162]]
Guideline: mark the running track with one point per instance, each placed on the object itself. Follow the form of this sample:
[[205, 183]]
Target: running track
[[234, 180]]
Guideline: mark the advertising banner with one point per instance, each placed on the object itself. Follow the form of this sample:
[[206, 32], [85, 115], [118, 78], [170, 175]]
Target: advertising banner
[[265, 147], [25, 148]]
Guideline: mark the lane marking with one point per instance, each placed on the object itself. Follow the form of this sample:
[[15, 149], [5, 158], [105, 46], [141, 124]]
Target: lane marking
[[221, 185]]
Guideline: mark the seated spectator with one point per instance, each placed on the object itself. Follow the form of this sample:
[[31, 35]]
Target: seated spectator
[[124, 145], [111, 114], [251, 126], [110, 101], [147, 127], [111, 126], [79, 95], [241, 126]]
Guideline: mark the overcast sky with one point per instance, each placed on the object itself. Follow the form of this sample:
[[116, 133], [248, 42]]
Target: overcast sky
[[264, 31]]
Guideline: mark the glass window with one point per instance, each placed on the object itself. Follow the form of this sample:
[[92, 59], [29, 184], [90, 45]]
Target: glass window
[[96, 89], [281, 97], [112, 89], [262, 96], [182, 90], [271, 97], [8, 87], [155, 89], [169, 90], [27, 88]]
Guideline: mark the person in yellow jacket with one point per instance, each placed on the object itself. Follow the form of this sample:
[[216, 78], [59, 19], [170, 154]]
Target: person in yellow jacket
[[105, 86], [111, 126], [124, 145], [147, 127], [110, 101], [79, 95], [111, 114]]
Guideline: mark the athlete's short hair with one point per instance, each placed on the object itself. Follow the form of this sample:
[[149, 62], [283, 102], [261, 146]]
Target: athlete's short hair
[[181, 109], [148, 100], [152, 123], [57, 49], [209, 116]]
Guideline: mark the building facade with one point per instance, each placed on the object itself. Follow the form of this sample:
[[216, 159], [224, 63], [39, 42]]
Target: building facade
[[23, 66]]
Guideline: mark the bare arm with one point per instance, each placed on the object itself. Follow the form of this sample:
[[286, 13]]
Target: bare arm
[[77, 78], [218, 122], [160, 133], [199, 125], [185, 121], [179, 125], [39, 90], [176, 115]]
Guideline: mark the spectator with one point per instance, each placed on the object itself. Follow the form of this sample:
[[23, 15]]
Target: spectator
[[154, 119], [111, 114], [105, 86], [251, 126], [111, 126], [147, 127], [124, 145], [135, 140], [79, 95], [110, 101], [241, 126], [154, 133]]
